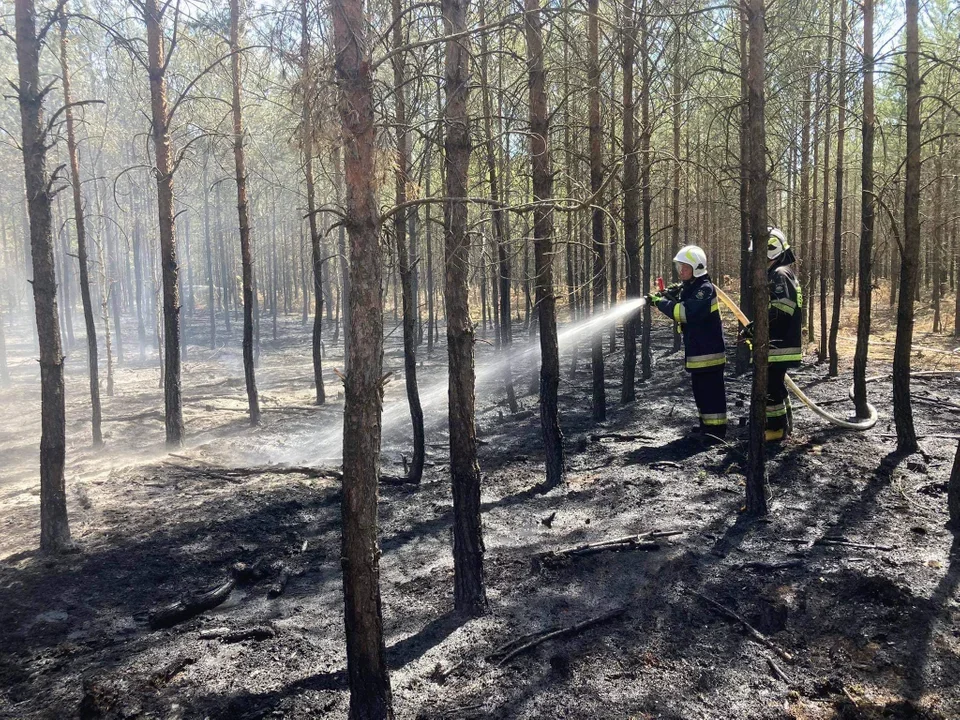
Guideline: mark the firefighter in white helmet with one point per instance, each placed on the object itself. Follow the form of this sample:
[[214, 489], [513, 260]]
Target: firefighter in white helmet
[[786, 301], [694, 307]]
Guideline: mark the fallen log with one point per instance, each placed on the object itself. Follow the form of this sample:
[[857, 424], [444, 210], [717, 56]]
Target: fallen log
[[276, 590], [751, 630], [166, 673], [551, 634], [257, 633], [852, 544], [643, 541], [169, 615], [618, 437]]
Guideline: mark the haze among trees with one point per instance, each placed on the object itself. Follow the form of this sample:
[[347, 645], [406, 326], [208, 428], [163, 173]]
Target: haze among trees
[[238, 224]]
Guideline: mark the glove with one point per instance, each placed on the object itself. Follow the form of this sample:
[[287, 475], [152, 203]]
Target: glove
[[746, 332], [673, 292], [653, 298]]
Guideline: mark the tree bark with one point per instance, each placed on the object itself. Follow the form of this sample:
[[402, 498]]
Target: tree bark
[[902, 409], [173, 408], [838, 276], [370, 695], [468, 549], [631, 202], [54, 526], [503, 258], [756, 479], [596, 183], [78, 214], [543, 247], [646, 202], [401, 177], [827, 107], [746, 285], [306, 131], [866, 221], [243, 212]]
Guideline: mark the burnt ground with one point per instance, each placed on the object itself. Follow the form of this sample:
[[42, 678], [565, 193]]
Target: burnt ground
[[867, 630]]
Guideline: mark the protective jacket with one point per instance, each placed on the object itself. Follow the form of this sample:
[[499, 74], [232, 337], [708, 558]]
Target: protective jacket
[[698, 314], [786, 300]]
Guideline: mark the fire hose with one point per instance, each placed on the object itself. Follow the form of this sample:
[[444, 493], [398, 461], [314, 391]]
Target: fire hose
[[859, 424]]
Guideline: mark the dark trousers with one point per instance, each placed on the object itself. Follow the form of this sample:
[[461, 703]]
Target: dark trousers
[[778, 399], [710, 395]]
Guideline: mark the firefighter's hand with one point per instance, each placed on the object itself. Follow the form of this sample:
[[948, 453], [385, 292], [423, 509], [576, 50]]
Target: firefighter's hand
[[746, 332], [673, 292], [653, 298]]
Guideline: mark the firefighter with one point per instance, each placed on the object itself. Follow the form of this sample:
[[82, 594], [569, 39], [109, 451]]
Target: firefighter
[[694, 307], [786, 301]]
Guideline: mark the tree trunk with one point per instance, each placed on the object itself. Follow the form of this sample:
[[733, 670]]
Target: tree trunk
[[596, 183], [543, 247], [827, 107], [866, 221], [370, 696], [243, 211], [804, 211], [173, 409], [746, 286], [54, 527], [345, 277], [756, 466], [208, 245], [631, 202], [469, 591], [646, 130], [78, 213], [838, 276], [902, 409], [306, 130], [499, 233], [401, 177]]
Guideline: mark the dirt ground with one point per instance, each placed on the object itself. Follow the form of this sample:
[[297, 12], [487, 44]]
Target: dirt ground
[[866, 629]]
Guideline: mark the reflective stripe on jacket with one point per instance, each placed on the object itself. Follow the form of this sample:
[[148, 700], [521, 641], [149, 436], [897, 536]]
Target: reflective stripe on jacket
[[698, 314], [786, 302]]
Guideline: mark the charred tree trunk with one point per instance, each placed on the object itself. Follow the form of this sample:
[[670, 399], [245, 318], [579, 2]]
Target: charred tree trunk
[[78, 214], [307, 142], [543, 247], [838, 277], [756, 465], [409, 300], [173, 408], [468, 550], [243, 211], [631, 202], [54, 527], [370, 696], [596, 183], [866, 221], [902, 409]]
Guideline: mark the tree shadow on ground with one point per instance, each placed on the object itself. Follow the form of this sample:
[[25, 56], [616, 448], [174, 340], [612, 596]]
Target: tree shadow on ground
[[930, 615]]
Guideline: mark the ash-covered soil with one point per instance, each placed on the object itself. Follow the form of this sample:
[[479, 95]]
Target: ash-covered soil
[[850, 582]]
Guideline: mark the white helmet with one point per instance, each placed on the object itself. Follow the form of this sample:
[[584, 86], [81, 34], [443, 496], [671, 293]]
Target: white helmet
[[777, 244], [695, 257]]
